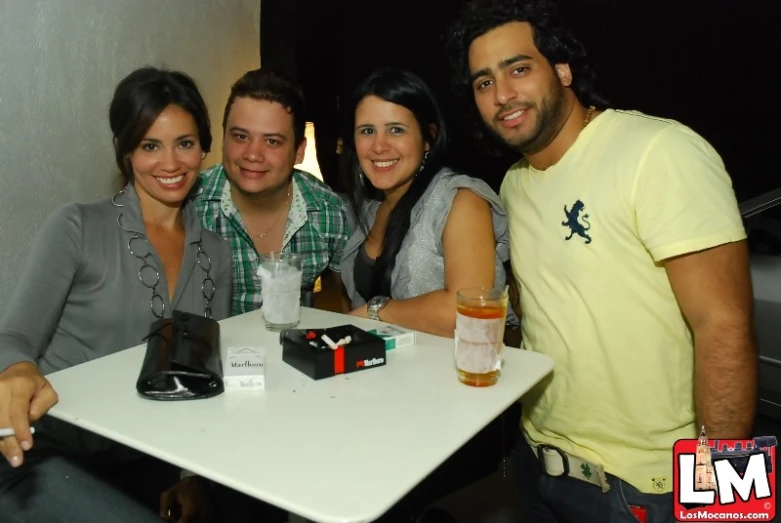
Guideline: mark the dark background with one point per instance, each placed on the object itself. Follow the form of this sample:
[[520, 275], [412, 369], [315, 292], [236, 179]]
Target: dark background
[[710, 65]]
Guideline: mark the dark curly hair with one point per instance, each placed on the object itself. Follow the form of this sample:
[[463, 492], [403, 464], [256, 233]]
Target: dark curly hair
[[552, 38]]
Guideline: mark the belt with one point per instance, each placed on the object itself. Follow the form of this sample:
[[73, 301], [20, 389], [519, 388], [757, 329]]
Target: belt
[[557, 463]]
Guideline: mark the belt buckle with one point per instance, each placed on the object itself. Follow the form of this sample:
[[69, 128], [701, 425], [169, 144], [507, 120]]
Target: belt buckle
[[564, 459]]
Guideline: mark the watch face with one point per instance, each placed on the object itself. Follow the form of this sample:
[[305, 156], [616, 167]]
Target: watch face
[[378, 301]]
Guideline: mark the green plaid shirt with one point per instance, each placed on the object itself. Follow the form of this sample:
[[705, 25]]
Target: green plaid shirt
[[316, 228]]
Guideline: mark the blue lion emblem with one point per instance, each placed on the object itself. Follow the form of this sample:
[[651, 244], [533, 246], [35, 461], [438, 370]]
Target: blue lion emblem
[[574, 225]]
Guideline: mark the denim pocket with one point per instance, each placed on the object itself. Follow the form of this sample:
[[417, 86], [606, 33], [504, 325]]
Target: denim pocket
[[659, 507]]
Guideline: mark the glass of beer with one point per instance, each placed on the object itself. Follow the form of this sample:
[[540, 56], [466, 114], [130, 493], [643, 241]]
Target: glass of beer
[[479, 338]]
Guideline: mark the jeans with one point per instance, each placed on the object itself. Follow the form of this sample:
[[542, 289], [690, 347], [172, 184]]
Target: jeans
[[57, 489], [547, 499]]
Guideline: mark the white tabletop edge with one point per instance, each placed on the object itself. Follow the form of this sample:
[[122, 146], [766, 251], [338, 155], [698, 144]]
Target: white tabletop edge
[[356, 514]]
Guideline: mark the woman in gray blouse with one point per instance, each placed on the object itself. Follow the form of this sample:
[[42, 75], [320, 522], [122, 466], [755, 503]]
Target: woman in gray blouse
[[423, 231], [91, 288]]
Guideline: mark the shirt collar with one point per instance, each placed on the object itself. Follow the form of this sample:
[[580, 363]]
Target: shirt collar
[[215, 187], [132, 220], [297, 217], [212, 183], [306, 192]]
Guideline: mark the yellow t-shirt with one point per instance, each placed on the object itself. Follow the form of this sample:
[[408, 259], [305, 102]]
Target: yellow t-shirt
[[587, 236]]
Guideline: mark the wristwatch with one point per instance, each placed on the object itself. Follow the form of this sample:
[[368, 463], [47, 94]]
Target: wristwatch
[[375, 305]]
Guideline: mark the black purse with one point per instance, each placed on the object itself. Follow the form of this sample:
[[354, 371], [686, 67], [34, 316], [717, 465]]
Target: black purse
[[182, 359]]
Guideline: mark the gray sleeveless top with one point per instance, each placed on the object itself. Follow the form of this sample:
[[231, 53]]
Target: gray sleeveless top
[[420, 263]]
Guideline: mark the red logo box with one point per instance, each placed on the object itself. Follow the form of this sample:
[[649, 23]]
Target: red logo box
[[724, 480]]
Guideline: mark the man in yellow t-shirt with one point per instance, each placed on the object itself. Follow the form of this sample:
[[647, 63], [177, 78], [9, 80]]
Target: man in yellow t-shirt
[[631, 258]]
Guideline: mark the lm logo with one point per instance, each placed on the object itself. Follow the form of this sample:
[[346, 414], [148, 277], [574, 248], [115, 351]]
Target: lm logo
[[360, 364], [575, 227], [724, 479]]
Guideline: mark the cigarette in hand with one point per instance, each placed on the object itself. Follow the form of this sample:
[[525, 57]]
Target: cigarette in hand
[[7, 433]]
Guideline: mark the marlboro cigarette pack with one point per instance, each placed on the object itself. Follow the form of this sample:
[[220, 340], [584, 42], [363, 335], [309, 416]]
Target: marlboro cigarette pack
[[245, 368], [395, 337]]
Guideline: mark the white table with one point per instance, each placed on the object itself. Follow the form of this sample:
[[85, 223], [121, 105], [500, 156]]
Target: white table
[[339, 450]]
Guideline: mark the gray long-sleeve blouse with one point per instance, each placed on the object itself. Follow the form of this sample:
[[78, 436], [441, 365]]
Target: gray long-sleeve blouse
[[79, 297]]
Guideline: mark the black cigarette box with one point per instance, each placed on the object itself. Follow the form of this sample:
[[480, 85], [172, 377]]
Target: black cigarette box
[[306, 350]]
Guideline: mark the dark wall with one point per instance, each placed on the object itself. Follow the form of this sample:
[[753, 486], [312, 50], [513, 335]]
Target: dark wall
[[706, 64], [278, 38], [710, 65]]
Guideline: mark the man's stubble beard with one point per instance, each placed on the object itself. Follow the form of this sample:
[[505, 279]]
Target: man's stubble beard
[[551, 116]]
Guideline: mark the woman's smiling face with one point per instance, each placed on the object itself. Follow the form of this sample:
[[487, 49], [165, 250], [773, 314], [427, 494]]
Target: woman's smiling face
[[388, 143]]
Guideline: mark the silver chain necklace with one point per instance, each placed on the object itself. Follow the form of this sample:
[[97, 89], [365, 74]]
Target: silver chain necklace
[[147, 273]]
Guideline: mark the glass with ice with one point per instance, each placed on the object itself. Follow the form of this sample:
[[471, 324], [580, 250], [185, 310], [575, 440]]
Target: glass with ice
[[479, 339], [280, 284]]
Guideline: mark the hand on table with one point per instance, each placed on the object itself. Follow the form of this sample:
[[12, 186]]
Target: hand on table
[[25, 396], [189, 501]]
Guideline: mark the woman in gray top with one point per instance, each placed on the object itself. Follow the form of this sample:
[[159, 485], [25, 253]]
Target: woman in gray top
[[91, 288], [423, 231]]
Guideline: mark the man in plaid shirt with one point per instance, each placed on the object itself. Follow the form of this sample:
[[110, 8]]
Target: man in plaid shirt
[[258, 201]]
